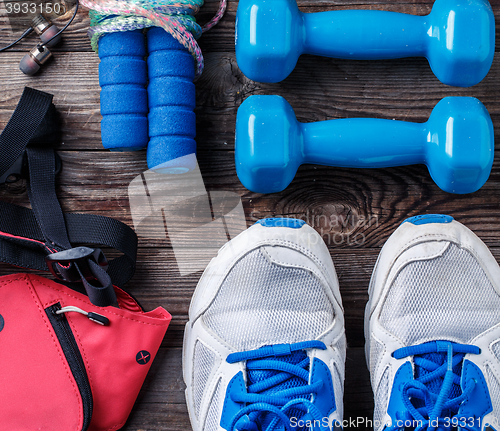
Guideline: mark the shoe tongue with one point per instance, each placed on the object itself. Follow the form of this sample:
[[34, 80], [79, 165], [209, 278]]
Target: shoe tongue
[[435, 385], [256, 376]]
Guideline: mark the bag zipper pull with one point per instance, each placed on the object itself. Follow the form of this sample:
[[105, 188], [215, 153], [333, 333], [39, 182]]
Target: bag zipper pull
[[97, 318]]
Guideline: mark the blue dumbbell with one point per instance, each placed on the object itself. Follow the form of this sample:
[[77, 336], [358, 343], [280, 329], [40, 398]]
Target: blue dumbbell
[[457, 37], [456, 144], [124, 98]]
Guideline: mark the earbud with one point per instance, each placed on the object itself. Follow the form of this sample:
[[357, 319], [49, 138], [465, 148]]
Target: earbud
[[45, 30], [31, 62]]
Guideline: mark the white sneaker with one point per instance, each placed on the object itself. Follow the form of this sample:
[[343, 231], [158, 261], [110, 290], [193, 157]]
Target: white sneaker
[[432, 329], [264, 348]]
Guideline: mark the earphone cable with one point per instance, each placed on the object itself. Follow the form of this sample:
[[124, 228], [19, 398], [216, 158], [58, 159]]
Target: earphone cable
[[26, 33]]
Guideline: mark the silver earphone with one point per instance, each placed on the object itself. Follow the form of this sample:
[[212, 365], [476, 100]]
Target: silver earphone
[[49, 35]]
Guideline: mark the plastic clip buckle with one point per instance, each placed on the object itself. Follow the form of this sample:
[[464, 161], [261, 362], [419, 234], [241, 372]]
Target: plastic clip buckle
[[19, 169], [61, 264]]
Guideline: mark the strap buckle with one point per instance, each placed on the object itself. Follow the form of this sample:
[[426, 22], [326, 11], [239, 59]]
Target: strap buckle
[[61, 263], [19, 169]]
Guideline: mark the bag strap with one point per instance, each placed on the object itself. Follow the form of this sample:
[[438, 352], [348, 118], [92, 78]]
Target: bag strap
[[22, 126], [42, 238]]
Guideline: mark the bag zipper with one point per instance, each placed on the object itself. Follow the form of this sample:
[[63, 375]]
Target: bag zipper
[[72, 353]]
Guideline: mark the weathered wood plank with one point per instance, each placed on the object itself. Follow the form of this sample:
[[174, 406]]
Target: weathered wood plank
[[401, 89], [374, 200]]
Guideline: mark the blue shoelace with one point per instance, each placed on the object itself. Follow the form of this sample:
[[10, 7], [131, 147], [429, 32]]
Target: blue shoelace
[[277, 387], [434, 395]]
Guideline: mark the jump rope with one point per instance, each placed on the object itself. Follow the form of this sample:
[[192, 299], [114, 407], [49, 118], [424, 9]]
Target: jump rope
[[149, 103]]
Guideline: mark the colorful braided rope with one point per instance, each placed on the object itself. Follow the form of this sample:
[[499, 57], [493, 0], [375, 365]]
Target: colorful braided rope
[[174, 16]]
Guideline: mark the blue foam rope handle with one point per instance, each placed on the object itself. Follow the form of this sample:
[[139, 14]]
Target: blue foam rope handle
[[172, 99], [124, 98]]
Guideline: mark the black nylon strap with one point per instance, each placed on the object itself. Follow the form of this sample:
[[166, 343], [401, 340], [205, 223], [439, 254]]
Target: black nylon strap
[[26, 119], [28, 236], [43, 198], [101, 295]]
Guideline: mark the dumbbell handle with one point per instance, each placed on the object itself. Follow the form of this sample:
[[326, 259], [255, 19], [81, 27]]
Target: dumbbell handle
[[363, 143], [365, 35]]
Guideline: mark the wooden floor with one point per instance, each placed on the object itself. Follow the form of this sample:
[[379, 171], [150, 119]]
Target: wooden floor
[[368, 204]]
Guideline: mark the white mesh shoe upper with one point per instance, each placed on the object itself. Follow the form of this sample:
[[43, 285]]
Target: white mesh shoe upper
[[496, 349], [494, 388], [204, 362], [376, 350], [212, 419], [446, 297], [381, 400], [261, 302]]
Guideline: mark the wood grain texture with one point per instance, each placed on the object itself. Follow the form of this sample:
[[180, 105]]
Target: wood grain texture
[[354, 210], [399, 89]]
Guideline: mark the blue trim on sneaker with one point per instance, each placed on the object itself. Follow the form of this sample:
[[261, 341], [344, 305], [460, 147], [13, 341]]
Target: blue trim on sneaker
[[282, 222], [442, 389], [428, 219], [283, 388]]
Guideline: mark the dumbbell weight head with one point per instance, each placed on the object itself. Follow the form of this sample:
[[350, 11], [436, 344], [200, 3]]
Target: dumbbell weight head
[[461, 48], [269, 38], [268, 144], [460, 144], [456, 143]]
